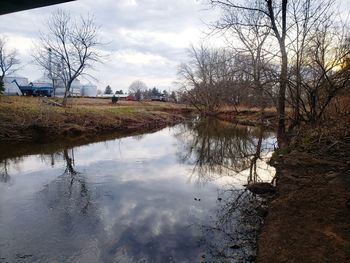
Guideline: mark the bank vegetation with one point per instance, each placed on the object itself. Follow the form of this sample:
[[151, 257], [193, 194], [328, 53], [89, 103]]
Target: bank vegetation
[[291, 55], [39, 119]]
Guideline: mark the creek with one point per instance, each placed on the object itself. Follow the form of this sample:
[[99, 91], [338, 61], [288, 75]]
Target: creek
[[175, 195]]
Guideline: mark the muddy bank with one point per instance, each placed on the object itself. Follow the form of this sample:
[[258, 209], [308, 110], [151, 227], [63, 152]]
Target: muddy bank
[[31, 119], [251, 117], [309, 217]]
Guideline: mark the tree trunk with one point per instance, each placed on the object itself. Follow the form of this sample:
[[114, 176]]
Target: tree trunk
[[66, 92], [281, 36], [281, 130]]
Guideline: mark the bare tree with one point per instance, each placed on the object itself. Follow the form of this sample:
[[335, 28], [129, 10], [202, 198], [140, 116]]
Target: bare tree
[[206, 77], [8, 62], [306, 16], [73, 48], [276, 20], [137, 88], [327, 71], [252, 58]]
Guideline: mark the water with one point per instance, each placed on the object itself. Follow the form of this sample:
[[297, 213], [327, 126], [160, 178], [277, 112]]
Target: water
[[168, 196]]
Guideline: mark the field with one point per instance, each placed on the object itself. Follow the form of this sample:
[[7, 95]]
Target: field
[[28, 118]]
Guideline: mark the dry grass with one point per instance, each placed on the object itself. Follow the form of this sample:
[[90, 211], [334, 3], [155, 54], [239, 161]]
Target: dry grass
[[244, 108], [27, 118]]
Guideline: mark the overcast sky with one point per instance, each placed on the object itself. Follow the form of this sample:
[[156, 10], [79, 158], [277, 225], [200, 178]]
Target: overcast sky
[[147, 39]]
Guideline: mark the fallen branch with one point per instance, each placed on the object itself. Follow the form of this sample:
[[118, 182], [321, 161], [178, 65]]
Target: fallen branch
[[54, 103]]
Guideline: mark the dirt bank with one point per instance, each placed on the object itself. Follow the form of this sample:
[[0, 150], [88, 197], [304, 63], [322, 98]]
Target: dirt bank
[[250, 116], [34, 119], [309, 218]]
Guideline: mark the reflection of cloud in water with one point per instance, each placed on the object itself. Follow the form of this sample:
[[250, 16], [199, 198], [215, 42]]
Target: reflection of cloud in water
[[154, 145], [127, 200], [143, 221]]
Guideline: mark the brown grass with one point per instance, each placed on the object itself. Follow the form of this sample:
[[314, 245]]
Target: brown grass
[[27, 118]]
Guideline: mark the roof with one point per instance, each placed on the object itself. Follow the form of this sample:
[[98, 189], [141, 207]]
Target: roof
[[10, 6]]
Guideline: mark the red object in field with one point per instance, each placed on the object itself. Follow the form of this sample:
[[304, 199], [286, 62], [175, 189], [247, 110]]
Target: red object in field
[[130, 98]]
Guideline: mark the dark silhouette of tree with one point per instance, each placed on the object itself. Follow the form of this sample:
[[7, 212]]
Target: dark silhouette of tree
[[108, 90]]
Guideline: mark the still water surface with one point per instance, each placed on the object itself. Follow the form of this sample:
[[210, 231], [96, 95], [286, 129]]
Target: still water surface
[[169, 196]]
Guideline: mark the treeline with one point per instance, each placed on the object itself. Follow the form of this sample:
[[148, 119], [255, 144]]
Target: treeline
[[292, 54], [141, 92]]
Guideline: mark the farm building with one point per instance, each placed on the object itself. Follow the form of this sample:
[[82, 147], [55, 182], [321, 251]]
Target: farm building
[[74, 91], [45, 81], [88, 90], [77, 89], [125, 97]]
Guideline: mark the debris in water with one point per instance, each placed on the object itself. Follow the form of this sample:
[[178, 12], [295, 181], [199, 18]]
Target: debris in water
[[23, 256]]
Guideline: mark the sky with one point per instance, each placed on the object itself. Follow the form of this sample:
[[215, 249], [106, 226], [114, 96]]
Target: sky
[[145, 39]]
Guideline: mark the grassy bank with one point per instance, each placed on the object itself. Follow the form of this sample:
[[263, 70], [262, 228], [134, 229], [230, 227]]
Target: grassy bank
[[32, 119], [308, 219]]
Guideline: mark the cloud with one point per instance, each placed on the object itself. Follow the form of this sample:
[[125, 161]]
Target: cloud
[[145, 39]]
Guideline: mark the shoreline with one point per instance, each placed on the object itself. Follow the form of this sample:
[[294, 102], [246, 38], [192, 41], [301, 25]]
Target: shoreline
[[250, 117], [33, 120], [308, 218], [61, 143]]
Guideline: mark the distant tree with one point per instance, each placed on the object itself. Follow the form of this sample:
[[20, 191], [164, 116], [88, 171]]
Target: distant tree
[[205, 77], [165, 93], [155, 92], [8, 62], [99, 92], [119, 92], [137, 88], [73, 47], [138, 95], [147, 94], [108, 90], [173, 96]]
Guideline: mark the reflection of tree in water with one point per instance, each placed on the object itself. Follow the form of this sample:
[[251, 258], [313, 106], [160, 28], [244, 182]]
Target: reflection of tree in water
[[217, 148], [231, 237], [74, 185], [63, 213], [5, 168], [50, 159], [256, 156], [70, 188], [4, 174]]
